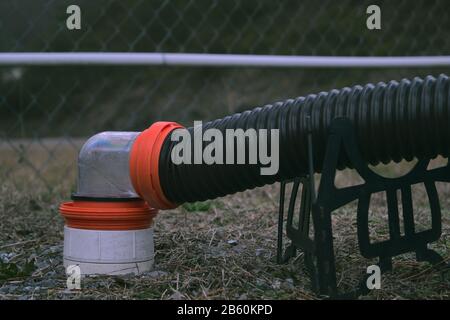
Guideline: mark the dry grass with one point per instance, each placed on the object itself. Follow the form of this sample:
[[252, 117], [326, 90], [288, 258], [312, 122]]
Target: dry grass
[[219, 249]]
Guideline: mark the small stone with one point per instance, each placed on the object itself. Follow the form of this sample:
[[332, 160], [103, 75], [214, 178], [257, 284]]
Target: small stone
[[6, 256], [55, 249], [176, 296], [276, 284], [259, 252], [156, 274], [288, 283], [42, 264]]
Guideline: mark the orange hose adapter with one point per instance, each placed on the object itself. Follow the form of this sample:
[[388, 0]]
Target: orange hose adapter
[[144, 164], [108, 215]]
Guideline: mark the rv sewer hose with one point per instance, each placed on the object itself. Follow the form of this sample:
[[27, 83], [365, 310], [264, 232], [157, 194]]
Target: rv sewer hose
[[392, 121]]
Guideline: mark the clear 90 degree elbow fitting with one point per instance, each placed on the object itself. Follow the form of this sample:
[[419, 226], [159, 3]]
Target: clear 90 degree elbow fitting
[[124, 165], [103, 166]]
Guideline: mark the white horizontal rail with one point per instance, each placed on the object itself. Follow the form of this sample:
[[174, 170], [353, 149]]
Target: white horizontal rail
[[216, 60]]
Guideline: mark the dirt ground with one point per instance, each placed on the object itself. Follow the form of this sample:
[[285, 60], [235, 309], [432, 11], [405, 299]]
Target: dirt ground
[[220, 249]]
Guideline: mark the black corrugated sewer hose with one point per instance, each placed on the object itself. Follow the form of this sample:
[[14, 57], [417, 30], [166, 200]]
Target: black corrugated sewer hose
[[393, 121]]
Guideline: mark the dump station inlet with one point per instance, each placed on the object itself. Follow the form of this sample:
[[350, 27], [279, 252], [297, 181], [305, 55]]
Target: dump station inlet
[[393, 121]]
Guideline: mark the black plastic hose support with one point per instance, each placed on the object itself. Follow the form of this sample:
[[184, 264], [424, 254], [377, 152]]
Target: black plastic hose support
[[393, 121]]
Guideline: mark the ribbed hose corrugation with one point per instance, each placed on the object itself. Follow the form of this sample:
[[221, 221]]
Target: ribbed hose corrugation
[[393, 121]]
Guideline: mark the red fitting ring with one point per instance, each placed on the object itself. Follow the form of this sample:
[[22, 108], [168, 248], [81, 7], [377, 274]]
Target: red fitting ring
[[108, 215], [144, 164]]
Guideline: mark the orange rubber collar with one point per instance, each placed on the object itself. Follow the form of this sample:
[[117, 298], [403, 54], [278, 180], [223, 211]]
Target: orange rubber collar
[[144, 164], [92, 215]]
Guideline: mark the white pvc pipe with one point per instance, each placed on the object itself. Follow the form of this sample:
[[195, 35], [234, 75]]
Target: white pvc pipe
[[217, 60]]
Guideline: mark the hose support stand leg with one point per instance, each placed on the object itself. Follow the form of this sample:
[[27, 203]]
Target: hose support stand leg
[[319, 249]]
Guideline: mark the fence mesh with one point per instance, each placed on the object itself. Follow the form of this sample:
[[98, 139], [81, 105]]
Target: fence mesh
[[46, 112]]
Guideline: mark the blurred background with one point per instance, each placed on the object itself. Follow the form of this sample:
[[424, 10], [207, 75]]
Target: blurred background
[[46, 112]]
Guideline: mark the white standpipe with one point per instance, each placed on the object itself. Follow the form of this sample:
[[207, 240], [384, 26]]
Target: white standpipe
[[109, 252]]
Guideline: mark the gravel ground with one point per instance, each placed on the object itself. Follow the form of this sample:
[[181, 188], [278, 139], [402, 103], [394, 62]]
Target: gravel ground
[[218, 249]]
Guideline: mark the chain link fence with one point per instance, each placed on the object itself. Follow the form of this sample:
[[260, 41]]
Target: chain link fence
[[46, 112]]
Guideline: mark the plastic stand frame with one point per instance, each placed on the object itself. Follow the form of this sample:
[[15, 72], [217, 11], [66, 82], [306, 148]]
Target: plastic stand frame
[[317, 242]]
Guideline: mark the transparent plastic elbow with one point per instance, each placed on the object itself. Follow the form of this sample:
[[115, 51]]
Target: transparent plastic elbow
[[103, 166]]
